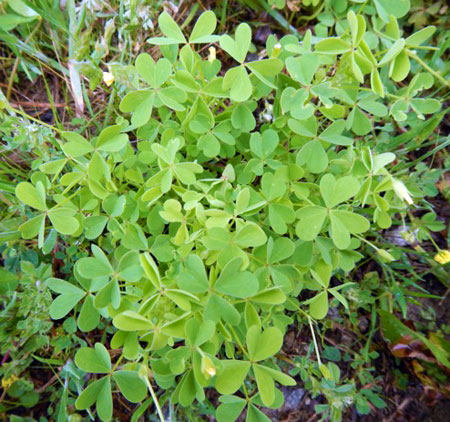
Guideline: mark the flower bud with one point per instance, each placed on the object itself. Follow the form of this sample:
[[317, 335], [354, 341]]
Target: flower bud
[[207, 367], [276, 50], [401, 191], [385, 255], [212, 54]]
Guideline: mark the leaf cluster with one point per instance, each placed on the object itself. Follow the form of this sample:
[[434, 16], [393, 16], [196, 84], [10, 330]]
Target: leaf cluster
[[202, 226]]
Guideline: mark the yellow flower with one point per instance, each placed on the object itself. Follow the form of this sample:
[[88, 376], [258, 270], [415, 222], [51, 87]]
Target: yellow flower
[[7, 382], [443, 257], [108, 78]]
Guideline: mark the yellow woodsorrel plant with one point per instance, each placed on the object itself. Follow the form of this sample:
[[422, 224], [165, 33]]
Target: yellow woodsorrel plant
[[216, 198]]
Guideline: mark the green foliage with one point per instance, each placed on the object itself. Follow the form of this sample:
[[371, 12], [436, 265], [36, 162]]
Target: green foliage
[[201, 229]]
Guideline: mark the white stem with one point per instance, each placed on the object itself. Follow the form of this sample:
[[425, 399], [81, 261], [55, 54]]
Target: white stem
[[155, 400], [315, 342]]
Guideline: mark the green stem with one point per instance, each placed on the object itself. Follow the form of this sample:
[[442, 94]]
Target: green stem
[[117, 363], [27, 116], [314, 15], [58, 205], [17, 61], [425, 47], [278, 17], [428, 68], [110, 106], [244, 387], [438, 249], [366, 241], [238, 341]]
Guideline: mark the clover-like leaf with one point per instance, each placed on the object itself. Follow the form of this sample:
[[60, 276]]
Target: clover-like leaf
[[63, 220], [171, 30], [77, 145], [230, 409], [130, 385], [218, 309], [33, 227], [131, 321], [232, 375], [234, 282], [311, 220], [239, 46], [33, 196], [318, 305], [197, 333], [203, 29], [91, 267], [335, 192], [333, 46], [386, 8], [94, 360], [98, 392], [262, 345], [70, 295], [303, 68], [193, 278], [238, 82], [111, 140]]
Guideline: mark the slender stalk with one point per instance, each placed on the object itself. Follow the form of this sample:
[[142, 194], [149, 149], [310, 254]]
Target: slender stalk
[[155, 399], [316, 346], [425, 47], [278, 17], [117, 363], [366, 241], [110, 107], [238, 341], [26, 115], [17, 61], [59, 204], [314, 15], [415, 57]]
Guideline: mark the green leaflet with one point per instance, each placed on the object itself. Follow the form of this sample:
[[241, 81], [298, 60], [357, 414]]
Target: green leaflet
[[335, 192], [237, 82], [203, 28], [98, 392], [311, 222], [70, 295], [95, 360], [237, 47], [232, 376], [33, 196], [262, 345], [234, 282], [132, 321], [193, 279], [130, 385]]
